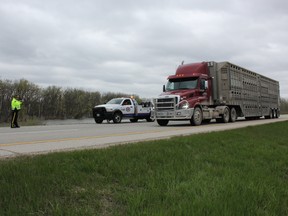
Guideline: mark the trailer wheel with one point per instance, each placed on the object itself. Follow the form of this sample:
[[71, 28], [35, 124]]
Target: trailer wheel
[[233, 115], [197, 117], [162, 122], [270, 114], [226, 115], [277, 113], [117, 117]]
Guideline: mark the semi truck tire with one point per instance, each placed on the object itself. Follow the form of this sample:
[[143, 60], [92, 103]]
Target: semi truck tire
[[270, 116], [162, 122], [226, 115], [117, 117], [277, 113], [197, 117], [233, 115]]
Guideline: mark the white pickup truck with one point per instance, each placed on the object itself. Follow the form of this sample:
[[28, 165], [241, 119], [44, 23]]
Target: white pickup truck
[[119, 108]]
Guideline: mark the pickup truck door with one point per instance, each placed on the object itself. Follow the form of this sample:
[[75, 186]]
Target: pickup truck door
[[127, 107]]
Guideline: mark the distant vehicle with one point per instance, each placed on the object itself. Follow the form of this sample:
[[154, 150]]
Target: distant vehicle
[[119, 108], [223, 91]]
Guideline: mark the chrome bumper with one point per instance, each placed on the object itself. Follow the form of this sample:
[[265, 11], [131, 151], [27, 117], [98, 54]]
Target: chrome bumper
[[172, 114]]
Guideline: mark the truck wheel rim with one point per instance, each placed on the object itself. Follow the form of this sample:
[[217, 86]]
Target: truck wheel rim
[[226, 115], [117, 118], [233, 115], [197, 116]]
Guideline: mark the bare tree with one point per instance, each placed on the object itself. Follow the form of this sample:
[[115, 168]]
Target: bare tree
[[52, 102]]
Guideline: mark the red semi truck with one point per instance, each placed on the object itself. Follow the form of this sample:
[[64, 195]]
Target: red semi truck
[[200, 92]]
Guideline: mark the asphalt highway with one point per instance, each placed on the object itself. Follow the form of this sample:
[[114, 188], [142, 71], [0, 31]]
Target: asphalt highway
[[67, 135]]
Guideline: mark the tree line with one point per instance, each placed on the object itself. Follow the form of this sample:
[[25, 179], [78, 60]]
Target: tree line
[[52, 102], [57, 103], [284, 105]]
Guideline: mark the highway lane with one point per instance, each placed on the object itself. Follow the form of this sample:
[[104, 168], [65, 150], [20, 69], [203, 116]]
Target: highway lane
[[50, 138]]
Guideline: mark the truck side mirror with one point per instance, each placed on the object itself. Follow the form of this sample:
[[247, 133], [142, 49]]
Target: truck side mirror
[[203, 85], [164, 89], [206, 84]]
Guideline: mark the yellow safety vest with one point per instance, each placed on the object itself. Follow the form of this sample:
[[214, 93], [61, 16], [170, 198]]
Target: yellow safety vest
[[16, 104]]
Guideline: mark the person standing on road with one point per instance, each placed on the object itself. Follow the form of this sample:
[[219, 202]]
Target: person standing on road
[[15, 107]]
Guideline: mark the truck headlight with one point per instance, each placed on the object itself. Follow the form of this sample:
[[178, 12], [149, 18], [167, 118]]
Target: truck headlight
[[184, 105]]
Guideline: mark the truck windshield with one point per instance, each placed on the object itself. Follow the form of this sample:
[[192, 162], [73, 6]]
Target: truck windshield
[[176, 84], [115, 101]]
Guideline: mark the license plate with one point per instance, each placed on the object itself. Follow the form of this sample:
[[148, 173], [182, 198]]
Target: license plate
[[98, 115]]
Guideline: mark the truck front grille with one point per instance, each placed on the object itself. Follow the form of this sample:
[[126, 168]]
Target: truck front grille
[[165, 103], [99, 111]]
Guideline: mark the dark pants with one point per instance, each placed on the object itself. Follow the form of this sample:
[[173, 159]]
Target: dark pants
[[14, 119]]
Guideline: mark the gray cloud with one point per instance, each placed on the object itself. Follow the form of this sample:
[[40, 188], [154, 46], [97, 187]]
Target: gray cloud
[[132, 46]]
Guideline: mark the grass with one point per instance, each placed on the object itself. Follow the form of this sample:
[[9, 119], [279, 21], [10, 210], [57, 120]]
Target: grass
[[237, 172]]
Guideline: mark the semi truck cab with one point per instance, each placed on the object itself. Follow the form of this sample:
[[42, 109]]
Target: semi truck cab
[[192, 83], [188, 88]]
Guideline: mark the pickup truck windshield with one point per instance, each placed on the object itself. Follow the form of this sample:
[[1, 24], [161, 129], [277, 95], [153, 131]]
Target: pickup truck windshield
[[115, 101], [177, 84]]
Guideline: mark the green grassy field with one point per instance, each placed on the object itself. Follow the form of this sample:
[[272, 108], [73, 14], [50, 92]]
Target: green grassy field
[[237, 172]]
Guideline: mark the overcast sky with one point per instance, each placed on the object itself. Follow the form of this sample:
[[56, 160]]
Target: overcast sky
[[132, 46]]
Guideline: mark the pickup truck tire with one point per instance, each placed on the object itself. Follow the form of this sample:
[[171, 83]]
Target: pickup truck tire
[[197, 117], [162, 122], [117, 117], [98, 121]]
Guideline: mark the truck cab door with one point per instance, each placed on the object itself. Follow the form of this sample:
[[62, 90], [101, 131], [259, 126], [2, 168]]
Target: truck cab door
[[204, 91], [203, 85], [127, 108]]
